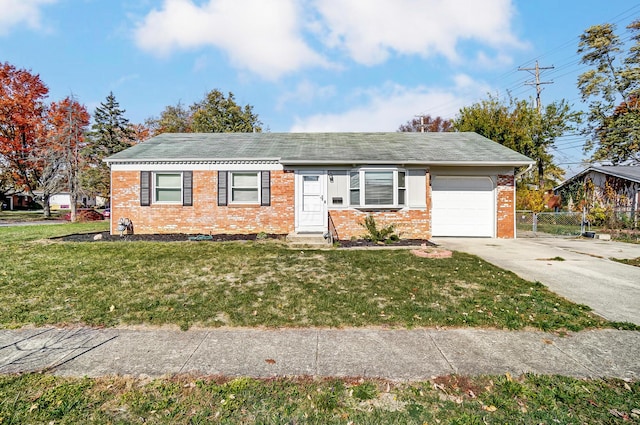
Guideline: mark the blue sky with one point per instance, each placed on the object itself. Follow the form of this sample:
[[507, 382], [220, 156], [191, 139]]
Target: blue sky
[[306, 65]]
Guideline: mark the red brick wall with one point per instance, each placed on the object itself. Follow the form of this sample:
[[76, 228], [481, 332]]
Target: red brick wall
[[205, 216], [410, 224], [505, 207]]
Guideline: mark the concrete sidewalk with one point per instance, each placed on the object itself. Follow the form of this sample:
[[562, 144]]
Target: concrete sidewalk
[[417, 354]]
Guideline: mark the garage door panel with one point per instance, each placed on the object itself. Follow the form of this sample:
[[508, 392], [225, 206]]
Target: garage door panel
[[463, 206]]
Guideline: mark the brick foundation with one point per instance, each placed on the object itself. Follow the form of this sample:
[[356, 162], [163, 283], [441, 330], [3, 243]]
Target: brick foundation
[[410, 224]]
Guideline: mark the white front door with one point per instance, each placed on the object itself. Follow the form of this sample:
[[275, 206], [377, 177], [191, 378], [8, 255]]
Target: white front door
[[311, 204]]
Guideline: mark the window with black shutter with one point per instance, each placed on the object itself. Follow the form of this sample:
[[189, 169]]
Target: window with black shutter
[[145, 188], [187, 188]]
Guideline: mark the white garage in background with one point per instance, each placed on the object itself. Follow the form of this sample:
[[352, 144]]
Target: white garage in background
[[463, 206]]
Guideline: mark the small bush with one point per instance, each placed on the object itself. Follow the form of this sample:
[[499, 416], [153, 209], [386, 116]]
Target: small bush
[[385, 235]]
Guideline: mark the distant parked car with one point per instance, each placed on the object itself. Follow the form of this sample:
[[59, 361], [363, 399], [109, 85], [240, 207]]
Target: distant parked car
[[106, 213], [85, 214]]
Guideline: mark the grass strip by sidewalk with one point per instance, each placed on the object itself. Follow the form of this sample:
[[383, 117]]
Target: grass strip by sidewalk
[[629, 261], [36, 398], [262, 284]]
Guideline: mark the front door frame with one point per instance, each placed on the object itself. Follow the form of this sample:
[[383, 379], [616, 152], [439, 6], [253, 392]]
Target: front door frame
[[322, 223]]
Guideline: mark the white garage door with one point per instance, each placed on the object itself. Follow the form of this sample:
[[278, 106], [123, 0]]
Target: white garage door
[[462, 206]]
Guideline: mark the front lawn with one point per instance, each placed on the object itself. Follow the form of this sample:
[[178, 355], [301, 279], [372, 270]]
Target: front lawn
[[28, 215], [45, 282], [530, 399]]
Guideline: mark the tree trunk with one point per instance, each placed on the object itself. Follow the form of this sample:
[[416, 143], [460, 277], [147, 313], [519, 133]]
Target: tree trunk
[[45, 205], [540, 175]]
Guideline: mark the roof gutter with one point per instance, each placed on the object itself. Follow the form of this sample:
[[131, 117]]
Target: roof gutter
[[431, 163], [306, 162], [178, 160]]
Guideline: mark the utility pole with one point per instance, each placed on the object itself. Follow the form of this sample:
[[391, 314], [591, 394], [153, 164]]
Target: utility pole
[[421, 122], [537, 82]]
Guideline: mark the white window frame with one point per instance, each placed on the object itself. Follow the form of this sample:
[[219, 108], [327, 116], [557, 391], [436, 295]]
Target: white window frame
[[155, 187], [257, 188], [361, 187]]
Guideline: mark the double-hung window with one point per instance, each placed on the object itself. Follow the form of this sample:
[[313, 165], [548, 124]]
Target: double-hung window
[[245, 187], [168, 188], [377, 188]]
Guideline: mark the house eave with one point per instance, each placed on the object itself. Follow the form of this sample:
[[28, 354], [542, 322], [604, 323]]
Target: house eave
[[193, 161], [410, 163]]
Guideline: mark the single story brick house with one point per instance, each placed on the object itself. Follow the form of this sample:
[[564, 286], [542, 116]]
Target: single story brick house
[[427, 184]]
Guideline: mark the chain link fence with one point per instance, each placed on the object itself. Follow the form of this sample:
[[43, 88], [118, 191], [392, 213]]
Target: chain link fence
[[550, 224]]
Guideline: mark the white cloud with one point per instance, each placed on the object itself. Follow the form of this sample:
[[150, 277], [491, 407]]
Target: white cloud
[[386, 108], [21, 12], [261, 36], [306, 92], [278, 37], [371, 31]]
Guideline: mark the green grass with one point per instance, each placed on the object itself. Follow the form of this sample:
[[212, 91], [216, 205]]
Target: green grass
[[261, 284], [24, 234], [28, 215], [530, 399], [630, 261]]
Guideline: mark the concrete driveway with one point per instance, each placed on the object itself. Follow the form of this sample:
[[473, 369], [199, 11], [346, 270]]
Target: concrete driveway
[[587, 276]]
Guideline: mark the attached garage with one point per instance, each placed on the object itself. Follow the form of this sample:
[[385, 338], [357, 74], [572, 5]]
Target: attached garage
[[463, 206]]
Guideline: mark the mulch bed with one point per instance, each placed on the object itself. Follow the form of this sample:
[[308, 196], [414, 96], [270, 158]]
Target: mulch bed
[[167, 237], [181, 237]]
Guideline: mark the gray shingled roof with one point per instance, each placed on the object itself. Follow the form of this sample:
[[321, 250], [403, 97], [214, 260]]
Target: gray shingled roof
[[324, 148], [628, 172]]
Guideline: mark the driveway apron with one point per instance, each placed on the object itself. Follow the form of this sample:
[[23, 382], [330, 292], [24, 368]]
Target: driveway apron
[[580, 270]]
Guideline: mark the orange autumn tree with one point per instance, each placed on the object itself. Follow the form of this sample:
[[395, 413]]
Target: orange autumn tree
[[60, 159], [22, 123]]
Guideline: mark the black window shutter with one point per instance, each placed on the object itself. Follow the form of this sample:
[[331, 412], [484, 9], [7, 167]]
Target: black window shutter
[[145, 188], [187, 188], [222, 188], [266, 188]]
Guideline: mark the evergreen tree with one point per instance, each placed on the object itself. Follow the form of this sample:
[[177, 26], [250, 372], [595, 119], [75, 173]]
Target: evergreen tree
[[111, 133]]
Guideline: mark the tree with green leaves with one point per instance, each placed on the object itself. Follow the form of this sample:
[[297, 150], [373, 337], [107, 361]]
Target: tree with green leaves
[[219, 114], [111, 133], [612, 89], [173, 119], [518, 126], [216, 113]]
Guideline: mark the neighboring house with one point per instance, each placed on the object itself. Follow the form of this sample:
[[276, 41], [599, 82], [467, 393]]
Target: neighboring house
[[62, 201], [616, 186], [427, 184], [13, 200]]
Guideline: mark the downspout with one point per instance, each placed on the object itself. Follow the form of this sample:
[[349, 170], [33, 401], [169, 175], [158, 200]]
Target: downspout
[[525, 171]]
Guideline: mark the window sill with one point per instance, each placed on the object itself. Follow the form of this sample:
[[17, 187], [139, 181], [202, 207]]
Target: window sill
[[244, 205], [379, 208]]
